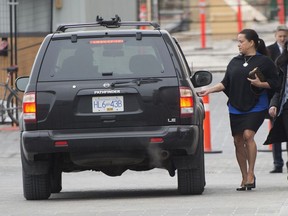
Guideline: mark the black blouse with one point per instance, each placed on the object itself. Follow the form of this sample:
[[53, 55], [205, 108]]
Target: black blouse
[[238, 88]]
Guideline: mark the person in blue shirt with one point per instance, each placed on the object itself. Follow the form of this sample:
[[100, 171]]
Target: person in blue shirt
[[248, 99]]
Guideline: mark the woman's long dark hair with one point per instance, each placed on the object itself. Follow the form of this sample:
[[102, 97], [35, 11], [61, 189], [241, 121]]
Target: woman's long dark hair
[[251, 35], [283, 58]]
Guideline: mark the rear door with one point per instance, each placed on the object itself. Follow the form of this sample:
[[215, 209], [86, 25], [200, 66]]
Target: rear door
[[100, 81]]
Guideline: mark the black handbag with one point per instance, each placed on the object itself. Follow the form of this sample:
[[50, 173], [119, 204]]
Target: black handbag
[[261, 77], [259, 74]]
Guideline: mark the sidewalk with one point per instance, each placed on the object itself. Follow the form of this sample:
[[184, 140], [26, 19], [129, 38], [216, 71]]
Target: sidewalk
[[217, 53], [8, 127]]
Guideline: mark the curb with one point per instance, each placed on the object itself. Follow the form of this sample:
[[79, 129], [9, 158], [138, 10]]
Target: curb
[[9, 128]]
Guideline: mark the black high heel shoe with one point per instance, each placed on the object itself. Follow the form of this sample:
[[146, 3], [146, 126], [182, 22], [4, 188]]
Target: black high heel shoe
[[241, 188], [251, 185]]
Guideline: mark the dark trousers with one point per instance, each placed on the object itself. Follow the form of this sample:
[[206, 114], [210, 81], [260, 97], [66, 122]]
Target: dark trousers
[[277, 155], [277, 147]]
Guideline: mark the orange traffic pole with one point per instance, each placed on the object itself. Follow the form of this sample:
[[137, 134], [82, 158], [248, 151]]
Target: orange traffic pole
[[143, 14], [281, 12], [202, 17], [239, 16], [207, 128]]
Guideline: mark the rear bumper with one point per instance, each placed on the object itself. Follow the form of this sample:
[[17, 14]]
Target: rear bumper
[[109, 140]]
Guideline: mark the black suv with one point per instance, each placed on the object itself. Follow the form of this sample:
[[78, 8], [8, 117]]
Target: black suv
[[110, 100]]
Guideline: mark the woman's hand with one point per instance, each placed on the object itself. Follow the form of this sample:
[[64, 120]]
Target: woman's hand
[[216, 88], [273, 111], [203, 93], [256, 82]]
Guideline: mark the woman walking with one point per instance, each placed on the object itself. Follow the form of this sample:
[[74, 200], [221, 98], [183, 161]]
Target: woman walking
[[248, 99]]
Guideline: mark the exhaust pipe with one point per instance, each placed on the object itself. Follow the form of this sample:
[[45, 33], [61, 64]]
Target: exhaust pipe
[[164, 154]]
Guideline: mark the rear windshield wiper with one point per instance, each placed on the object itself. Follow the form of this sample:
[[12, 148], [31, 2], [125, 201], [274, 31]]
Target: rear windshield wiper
[[140, 81], [120, 83], [137, 81], [107, 73]]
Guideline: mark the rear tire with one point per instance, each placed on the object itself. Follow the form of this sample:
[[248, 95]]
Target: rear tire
[[35, 187], [191, 181]]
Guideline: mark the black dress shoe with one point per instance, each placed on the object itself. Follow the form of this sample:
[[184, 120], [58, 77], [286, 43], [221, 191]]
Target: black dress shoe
[[277, 170]]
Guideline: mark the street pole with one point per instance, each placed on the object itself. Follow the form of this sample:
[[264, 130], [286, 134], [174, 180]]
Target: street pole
[[281, 11], [239, 16], [13, 31], [202, 17]]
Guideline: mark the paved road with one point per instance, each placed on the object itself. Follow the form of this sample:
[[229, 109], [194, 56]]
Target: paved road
[[153, 192]]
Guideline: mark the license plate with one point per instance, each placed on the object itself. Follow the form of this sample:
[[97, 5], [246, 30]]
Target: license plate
[[108, 104]]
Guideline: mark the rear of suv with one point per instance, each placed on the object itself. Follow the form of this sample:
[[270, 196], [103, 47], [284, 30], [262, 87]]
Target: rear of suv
[[110, 100]]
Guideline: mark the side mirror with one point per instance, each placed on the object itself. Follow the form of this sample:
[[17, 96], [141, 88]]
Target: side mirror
[[21, 83], [201, 78]]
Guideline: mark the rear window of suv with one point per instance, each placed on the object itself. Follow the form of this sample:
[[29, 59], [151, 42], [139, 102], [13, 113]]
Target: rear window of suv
[[96, 58]]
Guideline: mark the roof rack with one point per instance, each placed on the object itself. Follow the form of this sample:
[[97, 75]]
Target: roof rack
[[113, 23]]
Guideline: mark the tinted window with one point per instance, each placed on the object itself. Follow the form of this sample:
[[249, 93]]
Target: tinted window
[[120, 57]]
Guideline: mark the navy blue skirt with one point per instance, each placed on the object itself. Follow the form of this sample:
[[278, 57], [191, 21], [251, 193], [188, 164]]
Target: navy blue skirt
[[251, 121]]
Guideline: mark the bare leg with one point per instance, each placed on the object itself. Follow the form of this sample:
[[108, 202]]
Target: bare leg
[[241, 155], [248, 137]]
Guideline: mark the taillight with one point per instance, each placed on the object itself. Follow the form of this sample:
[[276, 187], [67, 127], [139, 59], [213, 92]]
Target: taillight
[[61, 143], [186, 102], [156, 140], [29, 107]]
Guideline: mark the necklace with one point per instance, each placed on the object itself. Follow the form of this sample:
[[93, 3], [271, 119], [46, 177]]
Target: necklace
[[245, 64]]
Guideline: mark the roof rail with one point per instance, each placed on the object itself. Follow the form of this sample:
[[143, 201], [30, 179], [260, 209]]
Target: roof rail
[[113, 23]]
